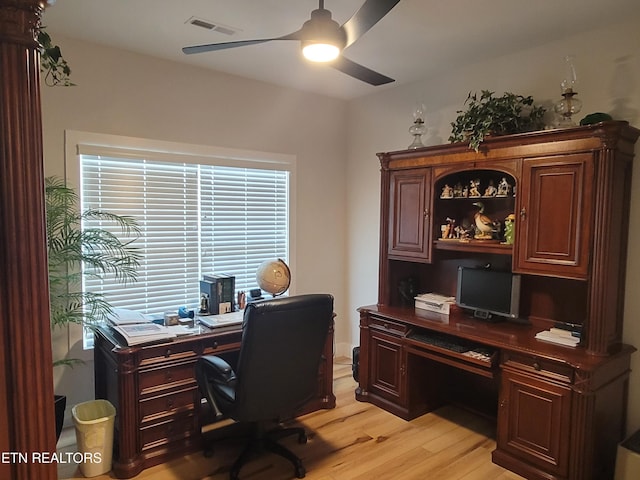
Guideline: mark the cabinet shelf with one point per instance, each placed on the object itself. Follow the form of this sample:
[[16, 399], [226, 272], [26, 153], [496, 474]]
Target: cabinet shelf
[[477, 246]]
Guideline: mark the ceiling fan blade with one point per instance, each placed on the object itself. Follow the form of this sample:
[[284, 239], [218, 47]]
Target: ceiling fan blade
[[213, 47], [370, 13], [356, 70]]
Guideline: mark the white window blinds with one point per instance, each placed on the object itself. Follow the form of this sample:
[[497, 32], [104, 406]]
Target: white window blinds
[[195, 219]]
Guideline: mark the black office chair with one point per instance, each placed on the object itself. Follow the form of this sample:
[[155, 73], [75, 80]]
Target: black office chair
[[277, 371]]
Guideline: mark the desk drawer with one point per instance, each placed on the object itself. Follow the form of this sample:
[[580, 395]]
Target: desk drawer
[[540, 366], [169, 431], [164, 377], [388, 326], [167, 352], [174, 402]]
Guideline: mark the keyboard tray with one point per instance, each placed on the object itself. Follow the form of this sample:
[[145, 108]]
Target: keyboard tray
[[454, 351]]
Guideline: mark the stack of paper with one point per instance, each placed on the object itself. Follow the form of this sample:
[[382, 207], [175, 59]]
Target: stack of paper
[[124, 316], [559, 336], [139, 333], [434, 302]]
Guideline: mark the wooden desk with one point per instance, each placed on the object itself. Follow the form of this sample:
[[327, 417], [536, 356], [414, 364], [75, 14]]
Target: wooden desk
[[560, 412], [160, 413]]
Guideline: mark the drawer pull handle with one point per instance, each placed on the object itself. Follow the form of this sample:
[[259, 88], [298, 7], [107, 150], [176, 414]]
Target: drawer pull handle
[[537, 366], [169, 403], [168, 353]]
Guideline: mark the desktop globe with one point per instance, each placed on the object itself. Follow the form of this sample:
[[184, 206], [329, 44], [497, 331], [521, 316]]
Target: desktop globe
[[273, 276]]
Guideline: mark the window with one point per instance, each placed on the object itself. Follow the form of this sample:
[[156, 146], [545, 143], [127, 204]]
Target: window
[[198, 214]]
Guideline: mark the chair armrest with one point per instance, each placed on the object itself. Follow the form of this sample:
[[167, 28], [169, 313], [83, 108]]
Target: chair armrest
[[218, 369], [217, 381]]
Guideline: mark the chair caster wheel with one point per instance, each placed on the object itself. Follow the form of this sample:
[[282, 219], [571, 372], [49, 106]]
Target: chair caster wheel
[[300, 471]]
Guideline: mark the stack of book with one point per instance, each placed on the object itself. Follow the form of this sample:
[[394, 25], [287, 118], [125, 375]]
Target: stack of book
[[139, 333], [220, 291], [562, 334], [136, 328]]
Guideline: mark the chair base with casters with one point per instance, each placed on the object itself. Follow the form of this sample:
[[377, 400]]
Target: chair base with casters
[[261, 439], [258, 437]]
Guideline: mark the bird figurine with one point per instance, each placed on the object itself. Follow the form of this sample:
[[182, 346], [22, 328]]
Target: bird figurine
[[484, 225]]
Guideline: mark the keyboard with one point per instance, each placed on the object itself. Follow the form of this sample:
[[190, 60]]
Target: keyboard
[[443, 341], [454, 344]]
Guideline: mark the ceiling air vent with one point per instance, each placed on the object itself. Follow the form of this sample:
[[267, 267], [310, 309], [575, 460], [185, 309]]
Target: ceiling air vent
[[216, 27]]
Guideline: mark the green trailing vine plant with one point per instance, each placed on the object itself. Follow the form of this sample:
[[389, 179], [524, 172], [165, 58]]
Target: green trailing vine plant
[[489, 115], [55, 68], [74, 251]]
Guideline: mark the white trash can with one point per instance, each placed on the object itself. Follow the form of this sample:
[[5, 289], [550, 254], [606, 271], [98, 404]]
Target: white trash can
[[628, 458], [94, 435]]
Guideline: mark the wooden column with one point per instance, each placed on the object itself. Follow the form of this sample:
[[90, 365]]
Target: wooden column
[[26, 378]]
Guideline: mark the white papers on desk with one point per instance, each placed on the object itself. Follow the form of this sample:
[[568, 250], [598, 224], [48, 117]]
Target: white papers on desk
[[125, 316], [140, 333], [434, 302], [223, 320], [561, 339]]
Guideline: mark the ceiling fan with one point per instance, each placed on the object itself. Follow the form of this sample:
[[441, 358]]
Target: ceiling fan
[[323, 40]]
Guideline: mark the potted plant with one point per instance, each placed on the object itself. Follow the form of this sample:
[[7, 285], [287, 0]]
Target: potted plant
[[74, 252], [55, 68], [489, 115]]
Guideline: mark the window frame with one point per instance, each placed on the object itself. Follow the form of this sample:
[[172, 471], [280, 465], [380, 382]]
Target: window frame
[[80, 142]]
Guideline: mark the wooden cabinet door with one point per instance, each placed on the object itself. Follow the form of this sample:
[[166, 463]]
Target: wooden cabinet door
[[409, 215], [534, 420], [553, 228], [387, 367]]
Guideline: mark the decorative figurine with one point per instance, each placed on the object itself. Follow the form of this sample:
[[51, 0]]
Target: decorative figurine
[[474, 186], [444, 229], [484, 225], [503, 188], [491, 190], [509, 228], [458, 191], [204, 303], [447, 192]]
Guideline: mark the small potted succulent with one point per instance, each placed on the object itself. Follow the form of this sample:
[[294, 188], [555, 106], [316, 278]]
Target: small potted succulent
[[489, 115]]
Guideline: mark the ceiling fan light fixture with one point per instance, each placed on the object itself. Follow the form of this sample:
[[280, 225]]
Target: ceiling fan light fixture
[[320, 52]]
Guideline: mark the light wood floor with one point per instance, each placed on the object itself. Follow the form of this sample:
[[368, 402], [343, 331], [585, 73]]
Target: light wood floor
[[356, 441]]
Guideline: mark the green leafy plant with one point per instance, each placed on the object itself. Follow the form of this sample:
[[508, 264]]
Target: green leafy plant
[[55, 68], [74, 252], [489, 115]]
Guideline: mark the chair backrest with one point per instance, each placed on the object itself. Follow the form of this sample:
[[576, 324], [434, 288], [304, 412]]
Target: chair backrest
[[282, 343]]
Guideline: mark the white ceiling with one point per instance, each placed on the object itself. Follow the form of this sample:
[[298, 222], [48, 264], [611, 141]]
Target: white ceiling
[[414, 41]]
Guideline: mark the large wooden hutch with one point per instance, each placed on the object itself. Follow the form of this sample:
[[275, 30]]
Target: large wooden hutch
[[560, 411]]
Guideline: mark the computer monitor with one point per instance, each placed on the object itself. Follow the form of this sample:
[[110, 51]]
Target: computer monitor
[[488, 293]]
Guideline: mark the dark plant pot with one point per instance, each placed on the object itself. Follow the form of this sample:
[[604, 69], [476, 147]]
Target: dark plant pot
[[60, 402]]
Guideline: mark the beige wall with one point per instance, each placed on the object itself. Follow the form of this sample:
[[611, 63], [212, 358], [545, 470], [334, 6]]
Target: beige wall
[[121, 93], [608, 64]]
